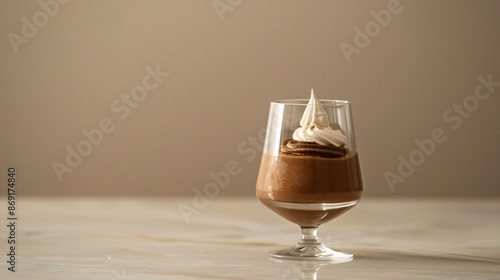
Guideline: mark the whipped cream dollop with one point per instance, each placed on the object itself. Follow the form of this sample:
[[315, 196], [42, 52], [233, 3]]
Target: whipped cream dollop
[[315, 126]]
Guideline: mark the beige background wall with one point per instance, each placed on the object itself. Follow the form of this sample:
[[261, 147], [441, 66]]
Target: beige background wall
[[75, 62]]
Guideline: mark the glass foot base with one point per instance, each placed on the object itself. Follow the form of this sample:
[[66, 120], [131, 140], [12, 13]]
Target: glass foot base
[[314, 253]]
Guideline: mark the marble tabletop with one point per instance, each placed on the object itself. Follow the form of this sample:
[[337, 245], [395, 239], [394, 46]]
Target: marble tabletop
[[228, 238]]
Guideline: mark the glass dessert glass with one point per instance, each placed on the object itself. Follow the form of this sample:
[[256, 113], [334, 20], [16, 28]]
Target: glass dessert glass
[[308, 183]]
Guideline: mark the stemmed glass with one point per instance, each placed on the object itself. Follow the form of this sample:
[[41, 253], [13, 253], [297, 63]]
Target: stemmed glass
[[308, 188]]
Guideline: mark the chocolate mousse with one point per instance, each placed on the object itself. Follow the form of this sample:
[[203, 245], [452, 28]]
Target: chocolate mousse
[[309, 179], [310, 183]]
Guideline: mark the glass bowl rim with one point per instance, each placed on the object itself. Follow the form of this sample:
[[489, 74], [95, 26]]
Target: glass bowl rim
[[304, 102]]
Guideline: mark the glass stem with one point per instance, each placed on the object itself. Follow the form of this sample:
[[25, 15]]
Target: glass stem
[[309, 236]]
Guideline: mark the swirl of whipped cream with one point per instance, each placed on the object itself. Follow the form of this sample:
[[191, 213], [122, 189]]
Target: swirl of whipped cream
[[315, 126], [325, 136]]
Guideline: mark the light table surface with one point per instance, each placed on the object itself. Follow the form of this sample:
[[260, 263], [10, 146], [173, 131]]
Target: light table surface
[[147, 238]]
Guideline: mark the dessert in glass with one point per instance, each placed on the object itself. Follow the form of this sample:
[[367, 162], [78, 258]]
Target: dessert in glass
[[309, 172]]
